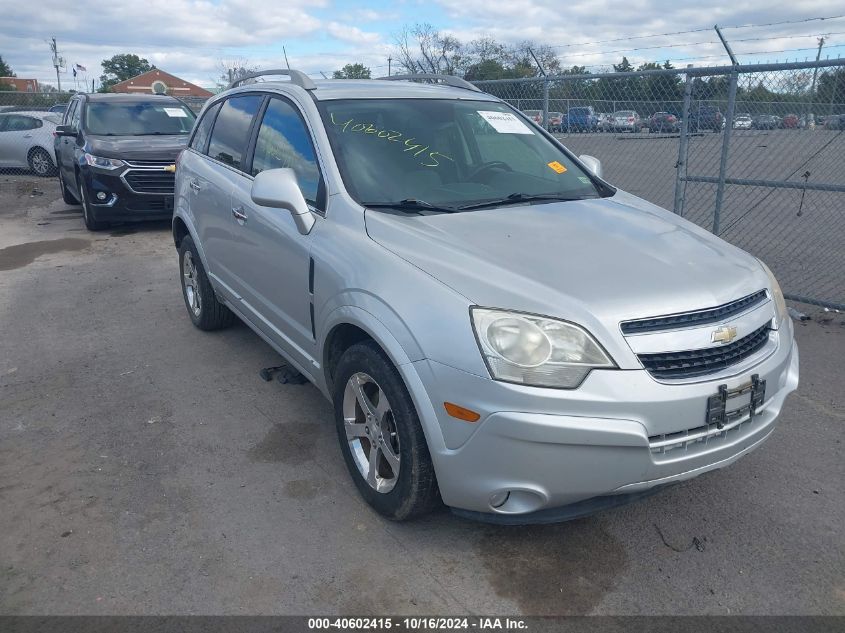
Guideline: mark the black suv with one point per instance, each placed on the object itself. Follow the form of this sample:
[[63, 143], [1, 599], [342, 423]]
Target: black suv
[[116, 155]]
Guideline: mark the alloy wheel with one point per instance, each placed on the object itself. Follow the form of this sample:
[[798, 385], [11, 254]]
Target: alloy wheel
[[371, 432], [191, 281]]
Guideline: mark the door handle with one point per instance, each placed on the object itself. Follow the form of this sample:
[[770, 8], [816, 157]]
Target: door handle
[[27, 135], [193, 184], [239, 214]]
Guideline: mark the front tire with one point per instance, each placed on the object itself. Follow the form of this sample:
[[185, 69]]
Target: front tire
[[380, 435], [91, 223], [67, 197], [204, 309]]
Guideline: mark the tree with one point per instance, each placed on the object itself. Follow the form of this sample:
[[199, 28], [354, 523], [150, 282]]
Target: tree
[[5, 69], [352, 71], [120, 68], [422, 48], [233, 69]]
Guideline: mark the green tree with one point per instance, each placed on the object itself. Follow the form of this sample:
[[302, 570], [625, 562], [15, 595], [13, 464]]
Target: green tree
[[120, 68], [5, 69], [352, 71]]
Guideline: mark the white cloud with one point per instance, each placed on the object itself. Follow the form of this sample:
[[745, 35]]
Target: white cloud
[[352, 34]]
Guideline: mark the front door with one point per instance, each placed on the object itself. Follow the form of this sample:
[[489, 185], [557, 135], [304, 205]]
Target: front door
[[273, 257]]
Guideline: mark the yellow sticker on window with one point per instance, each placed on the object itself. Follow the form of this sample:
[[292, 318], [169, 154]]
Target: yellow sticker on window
[[557, 167]]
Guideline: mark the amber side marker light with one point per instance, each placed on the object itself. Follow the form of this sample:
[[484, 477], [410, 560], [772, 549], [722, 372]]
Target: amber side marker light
[[467, 415]]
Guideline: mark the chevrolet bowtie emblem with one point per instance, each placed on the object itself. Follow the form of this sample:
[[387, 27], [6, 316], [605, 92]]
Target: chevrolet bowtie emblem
[[723, 334]]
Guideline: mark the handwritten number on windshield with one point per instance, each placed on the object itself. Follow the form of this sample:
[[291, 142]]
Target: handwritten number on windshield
[[429, 160]]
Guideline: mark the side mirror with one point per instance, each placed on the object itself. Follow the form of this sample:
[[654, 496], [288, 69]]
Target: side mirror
[[66, 130], [278, 188], [592, 163]]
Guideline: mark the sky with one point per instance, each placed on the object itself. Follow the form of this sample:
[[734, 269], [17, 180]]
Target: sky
[[194, 38]]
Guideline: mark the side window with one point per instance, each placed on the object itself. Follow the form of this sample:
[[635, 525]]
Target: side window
[[69, 111], [76, 117], [231, 129], [4, 118], [19, 123], [200, 140], [284, 141]]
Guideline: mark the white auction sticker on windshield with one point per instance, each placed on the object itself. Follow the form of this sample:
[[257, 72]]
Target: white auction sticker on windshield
[[505, 122], [177, 113]]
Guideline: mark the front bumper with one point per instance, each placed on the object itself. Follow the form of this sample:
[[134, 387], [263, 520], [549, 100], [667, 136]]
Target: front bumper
[[550, 448], [122, 204]]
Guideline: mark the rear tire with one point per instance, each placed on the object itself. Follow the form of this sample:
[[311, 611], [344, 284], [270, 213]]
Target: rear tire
[[40, 162], [383, 435], [205, 310]]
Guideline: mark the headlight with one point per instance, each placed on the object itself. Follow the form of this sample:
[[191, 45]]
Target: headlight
[[777, 294], [535, 350], [103, 163]]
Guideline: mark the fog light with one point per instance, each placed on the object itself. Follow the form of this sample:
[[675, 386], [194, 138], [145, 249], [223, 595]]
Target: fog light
[[497, 499], [101, 195]]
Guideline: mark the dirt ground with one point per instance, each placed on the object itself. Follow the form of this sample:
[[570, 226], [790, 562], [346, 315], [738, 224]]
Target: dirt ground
[[145, 468]]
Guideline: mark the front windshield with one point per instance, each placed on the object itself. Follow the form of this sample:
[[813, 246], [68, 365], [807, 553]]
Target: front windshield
[[138, 119], [449, 153]]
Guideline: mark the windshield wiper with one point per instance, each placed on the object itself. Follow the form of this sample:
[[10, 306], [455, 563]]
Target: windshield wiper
[[409, 204], [522, 197]]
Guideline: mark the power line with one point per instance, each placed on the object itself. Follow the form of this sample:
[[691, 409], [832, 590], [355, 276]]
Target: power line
[[755, 26]]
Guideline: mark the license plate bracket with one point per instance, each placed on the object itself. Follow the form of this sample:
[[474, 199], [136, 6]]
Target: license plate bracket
[[717, 404]]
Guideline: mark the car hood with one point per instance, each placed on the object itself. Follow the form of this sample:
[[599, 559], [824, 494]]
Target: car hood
[[594, 262], [152, 147]]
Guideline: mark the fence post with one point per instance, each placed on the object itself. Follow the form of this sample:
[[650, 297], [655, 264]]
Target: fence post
[[681, 166], [726, 141], [545, 103]]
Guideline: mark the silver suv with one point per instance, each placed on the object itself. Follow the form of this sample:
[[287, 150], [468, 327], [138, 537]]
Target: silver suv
[[497, 326]]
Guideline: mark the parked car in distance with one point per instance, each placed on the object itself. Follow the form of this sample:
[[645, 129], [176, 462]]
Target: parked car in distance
[[766, 122], [742, 121], [59, 108], [604, 122], [834, 122], [535, 115], [582, 119], [705, 117], [791, 121], [116, 155], [556, 122], [421, 293], [663, 122], [26, 141], [626, 121]]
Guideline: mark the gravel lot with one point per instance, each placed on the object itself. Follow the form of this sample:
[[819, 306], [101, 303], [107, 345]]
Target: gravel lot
[[145, 468]]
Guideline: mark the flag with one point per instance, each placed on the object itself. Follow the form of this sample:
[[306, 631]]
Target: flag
[[74, 72], [81, 67]]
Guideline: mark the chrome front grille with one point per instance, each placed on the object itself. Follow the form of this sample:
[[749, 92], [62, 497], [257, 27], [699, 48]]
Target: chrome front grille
[[150, 181], [149, 164], [695, 318], [700, 362]]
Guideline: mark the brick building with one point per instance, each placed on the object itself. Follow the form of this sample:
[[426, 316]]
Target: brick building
[[156, 81], [21, 85]]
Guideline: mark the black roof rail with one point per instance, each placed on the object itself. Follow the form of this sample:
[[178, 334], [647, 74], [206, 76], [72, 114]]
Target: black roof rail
[[297, 77], [449, 80]]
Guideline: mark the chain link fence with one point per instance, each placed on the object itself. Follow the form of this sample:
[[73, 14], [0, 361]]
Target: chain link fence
[[755, 154]]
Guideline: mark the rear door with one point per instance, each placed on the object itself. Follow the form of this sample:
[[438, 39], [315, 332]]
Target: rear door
[[16, 139], [273, 257], [217, 175]]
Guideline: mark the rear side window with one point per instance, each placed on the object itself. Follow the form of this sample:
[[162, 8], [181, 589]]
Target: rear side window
[[284, 141], [18, 123], [231, 129], [200, 140]]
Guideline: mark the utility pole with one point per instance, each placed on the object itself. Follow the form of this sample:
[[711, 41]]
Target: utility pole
[[389, 60], [810, 119], [56, 62]]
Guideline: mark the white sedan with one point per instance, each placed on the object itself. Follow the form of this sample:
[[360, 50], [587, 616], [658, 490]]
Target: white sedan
[[26, 141]]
